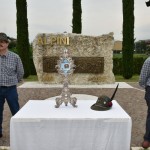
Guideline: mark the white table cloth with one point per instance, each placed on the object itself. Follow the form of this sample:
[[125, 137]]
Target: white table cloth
[[41, 126]]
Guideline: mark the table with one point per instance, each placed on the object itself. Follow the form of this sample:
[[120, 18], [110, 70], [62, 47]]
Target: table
[[41, 126]]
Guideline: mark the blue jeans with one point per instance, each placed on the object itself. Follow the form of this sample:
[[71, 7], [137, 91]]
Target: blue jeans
[[10, 94]]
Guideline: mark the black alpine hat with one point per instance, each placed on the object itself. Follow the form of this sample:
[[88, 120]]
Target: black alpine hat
[[3, 37], [104, 102]]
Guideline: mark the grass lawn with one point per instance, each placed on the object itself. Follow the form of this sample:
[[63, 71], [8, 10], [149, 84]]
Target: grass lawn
[[118, 78], [134, 55], [31, 78]]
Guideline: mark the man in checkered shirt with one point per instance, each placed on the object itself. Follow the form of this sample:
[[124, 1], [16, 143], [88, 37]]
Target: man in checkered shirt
[[144, 82], [11, 72]]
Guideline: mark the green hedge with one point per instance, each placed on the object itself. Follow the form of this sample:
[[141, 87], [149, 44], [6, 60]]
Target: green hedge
[[117, 65], [137, 65]]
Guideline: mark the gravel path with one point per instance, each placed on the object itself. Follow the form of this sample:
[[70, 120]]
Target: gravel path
[[132, 101]]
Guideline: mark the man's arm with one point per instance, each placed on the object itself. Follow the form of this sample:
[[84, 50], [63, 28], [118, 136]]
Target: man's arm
[[20, 69], [145, 73]]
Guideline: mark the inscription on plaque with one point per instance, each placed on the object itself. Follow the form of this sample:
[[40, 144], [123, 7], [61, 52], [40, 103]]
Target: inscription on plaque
[[49, 64], [83, 64]]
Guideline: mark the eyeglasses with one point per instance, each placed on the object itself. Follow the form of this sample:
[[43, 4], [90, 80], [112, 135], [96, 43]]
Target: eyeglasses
[[3, 41]]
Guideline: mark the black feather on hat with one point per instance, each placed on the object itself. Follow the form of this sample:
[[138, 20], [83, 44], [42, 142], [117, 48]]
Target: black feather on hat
[[104, 102]]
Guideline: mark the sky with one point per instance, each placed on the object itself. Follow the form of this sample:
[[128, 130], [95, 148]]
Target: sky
[[55, 16]]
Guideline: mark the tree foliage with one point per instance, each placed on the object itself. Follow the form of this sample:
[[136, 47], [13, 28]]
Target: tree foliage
[[22, 35], [140, 47], [77, 17], [128, 38]]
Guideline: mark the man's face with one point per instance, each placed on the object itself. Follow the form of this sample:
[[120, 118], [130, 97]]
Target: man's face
[[3, 45]]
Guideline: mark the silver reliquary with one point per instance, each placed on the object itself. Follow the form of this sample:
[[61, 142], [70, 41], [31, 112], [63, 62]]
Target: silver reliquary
[[65, 67]]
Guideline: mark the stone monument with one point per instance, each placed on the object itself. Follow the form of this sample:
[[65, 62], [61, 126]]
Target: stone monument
[[92, 56]]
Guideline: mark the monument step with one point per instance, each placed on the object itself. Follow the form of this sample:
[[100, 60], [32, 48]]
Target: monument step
[[139, 148], [4, 148], [42, 85]]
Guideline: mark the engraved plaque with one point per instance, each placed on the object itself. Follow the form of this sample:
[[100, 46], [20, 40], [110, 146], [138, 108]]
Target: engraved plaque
[[83, 64], [49, 64], [89, 64]]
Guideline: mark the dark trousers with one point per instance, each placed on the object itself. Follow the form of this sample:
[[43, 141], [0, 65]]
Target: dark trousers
[[147, 98], [10, 94]]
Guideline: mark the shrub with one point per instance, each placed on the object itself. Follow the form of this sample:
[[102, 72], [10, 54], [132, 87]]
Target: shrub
[[137, 65]]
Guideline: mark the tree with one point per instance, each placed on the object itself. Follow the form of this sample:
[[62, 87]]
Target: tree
[[140, 47], [22, 35], [128, 38], [77, 15]]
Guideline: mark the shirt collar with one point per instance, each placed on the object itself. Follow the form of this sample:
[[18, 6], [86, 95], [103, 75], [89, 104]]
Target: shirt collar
[[5, 55]]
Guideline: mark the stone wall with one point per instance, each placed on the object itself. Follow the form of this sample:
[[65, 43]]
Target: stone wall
[[50, 45]]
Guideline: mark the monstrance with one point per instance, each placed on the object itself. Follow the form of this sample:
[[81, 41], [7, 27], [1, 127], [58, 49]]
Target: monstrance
[[65, 67]]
